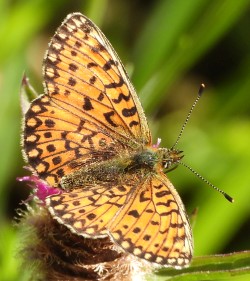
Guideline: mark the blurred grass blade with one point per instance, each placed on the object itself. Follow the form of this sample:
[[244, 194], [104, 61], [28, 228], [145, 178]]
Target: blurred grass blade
[[166, 67], [214, 267], [27, 94], [162, 32], [96, 10]]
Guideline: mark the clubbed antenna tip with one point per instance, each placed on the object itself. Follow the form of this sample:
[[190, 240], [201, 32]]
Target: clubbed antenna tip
[[229, 198], [201, 90]]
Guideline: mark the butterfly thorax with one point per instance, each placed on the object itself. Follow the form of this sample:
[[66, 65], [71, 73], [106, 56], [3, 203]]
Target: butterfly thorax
[[126, 168]]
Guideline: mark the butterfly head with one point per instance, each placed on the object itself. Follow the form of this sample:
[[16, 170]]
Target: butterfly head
[[170, 157]]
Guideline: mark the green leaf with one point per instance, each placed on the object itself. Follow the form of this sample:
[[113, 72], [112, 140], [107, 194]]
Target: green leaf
[[214, 267], [27, 94], [177, 35]]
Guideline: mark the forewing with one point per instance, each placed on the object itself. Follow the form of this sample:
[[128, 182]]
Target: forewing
[[89, 107], [153, 225]]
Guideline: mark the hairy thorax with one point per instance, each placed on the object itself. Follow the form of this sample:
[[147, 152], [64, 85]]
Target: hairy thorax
[[122, 169]]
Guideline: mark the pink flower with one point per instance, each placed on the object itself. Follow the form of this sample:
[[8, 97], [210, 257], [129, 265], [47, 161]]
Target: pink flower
[[40, 188]]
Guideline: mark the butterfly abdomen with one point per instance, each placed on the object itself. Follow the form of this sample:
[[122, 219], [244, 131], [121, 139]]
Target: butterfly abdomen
[[114, 171]]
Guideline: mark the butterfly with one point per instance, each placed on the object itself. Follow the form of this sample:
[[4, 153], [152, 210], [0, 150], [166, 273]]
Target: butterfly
[[88, 136]]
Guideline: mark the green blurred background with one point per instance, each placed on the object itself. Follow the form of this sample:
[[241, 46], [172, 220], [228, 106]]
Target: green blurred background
[[168, 48]]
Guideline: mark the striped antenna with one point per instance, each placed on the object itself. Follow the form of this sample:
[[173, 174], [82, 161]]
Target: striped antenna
[[201, 89], [229, 198]]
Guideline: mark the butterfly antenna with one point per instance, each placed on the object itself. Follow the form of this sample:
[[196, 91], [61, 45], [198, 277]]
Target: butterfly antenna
[[201, 89], [229, 198]]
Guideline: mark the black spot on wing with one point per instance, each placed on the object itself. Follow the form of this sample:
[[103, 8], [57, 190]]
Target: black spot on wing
[[56, 160], [128, 112], [133, 123], [108, 65], [51, 148], [122, 97], [78, 44], [91, 64], [49, 123], [72, 81], [134, 213], [161, 194], [114, 84], [92, 80], [107, 116], [101, 96], [47, 135], [87, 105], [73, 67]]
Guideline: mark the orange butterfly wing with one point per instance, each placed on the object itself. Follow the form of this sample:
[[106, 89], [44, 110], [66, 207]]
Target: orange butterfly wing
[[88, 211], [90, 110], [148, 221], [153, 225]]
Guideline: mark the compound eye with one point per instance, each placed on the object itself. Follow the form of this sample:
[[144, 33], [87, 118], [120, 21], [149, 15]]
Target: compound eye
[[167, 164]]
